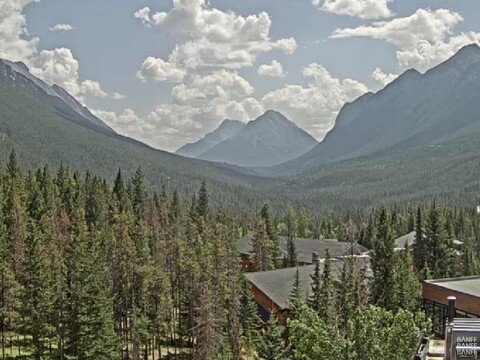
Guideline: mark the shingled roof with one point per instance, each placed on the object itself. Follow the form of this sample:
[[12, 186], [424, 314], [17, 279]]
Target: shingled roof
[[306, 247], [277, 284], [410, 238]]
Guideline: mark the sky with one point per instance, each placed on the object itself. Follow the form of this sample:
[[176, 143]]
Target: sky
[[166, 72]]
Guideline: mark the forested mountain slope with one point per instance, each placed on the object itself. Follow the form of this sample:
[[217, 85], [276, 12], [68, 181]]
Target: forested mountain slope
[[413, 110], [44, 129], [449, 172]]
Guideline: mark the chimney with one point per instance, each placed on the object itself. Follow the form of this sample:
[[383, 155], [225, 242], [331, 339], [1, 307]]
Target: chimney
[[315, 257]]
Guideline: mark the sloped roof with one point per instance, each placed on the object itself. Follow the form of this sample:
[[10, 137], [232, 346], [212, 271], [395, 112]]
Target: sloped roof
[[404, 240], [305, 248], [277, 284], [410, 239]]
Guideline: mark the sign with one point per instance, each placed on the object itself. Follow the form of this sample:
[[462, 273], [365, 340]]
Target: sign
[[466, 344]]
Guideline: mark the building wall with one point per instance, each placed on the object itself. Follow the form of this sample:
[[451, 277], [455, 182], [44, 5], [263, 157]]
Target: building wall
[[466, 303], [266, 303]]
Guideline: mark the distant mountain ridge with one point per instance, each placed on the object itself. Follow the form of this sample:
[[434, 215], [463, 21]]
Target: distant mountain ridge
[[270, 139], [16, 69], [415, 109], [227, 129], [46, 125]]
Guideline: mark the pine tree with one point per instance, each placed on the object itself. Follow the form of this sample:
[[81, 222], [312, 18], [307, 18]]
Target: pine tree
[[271, 232], [139, 193], [383, 261], [202, 204], [327, 294], [261, 247], [248, 315], [421, 245], [9, 288], [441, 253], [292, 259], [316, 284], [407, 286], [302, 224], [271, 345], [37, 297], [296, 296]]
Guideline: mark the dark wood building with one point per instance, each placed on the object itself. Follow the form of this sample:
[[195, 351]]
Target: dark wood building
[[271, 289], [308, 250], [435, 295]]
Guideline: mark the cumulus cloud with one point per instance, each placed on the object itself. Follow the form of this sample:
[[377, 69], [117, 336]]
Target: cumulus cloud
[[215, 39], [15, 44], [197, 106], [157, 69], [382, 78], [273, 68], [365, 9], [62, 27], [60, 67], [203, 66], [424, 39], [57, 66], [317, 104], [126, 122]]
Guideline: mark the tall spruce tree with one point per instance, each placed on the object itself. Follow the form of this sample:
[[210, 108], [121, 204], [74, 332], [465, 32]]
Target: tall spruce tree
[[327, 310], [421, 246], [383, 287]]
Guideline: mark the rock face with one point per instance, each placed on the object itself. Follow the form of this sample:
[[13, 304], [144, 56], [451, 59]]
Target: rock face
[[415, 109], [227, 129], [270, 139]]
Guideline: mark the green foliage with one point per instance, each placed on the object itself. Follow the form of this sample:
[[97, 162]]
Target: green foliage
[[383, 261], [312, 338], [377, 334], [271, 345]]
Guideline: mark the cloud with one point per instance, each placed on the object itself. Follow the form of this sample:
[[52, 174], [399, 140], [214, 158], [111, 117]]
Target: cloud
[[424, 39], [382, 78], [365, 9], [315, 106], [60, 67], [15, 44], [159, 70], [62, 27], [273, 68], [197, 106], [57, 66], [203, 66], [126, 123], [215, 39]]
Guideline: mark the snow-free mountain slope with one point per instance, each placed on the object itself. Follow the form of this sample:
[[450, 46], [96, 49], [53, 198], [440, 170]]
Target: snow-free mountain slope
[[270, 139], [227, 129], [415, 109]]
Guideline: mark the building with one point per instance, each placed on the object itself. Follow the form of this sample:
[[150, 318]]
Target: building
[[271, 289], [406, 240], [435, 295], [307, 250], [410, 238]]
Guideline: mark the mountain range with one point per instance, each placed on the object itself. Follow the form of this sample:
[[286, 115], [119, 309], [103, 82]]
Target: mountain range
[[45, 125], [415, 109], [417, 138], [227, 129], [268, 140]]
